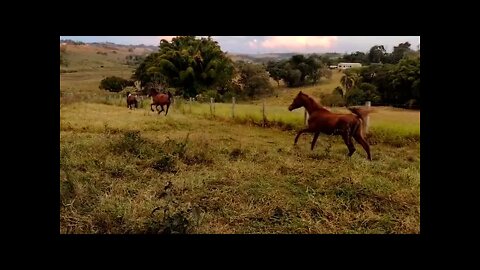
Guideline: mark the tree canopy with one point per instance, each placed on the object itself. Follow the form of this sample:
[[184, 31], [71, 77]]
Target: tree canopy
[[189, 64]]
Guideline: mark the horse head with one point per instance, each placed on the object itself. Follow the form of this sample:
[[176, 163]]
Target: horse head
[[298, 102], [152, 92]]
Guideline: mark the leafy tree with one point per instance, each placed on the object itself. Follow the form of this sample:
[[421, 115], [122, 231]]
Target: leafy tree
[[356, 57], [276, 71], [399, 52], [349, 80], [253, 79], [377, 54], [192, 65]]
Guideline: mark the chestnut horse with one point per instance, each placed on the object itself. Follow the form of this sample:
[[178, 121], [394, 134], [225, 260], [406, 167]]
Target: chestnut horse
[[322, 120], [159, 99], [132, 101]]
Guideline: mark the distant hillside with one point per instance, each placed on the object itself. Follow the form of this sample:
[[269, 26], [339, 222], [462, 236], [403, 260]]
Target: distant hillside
[[265, 57], [136, 49]]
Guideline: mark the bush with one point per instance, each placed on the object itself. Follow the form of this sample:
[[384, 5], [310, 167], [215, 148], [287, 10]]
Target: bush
[[332, 100], [211, 94], [338, 91], [113, 84], [355, 96], [364, 92]]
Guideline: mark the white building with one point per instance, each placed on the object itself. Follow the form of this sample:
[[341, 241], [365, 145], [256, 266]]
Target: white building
[[348, 65]]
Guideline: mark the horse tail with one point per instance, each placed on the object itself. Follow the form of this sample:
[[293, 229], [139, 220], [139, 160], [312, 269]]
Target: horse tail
[[361, 114]]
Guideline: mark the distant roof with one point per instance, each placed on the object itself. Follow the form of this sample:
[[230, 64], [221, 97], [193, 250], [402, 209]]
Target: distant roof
[[349, 63]]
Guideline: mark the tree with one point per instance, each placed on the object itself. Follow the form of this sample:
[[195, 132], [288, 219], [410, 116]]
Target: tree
[[192, 65], [349, 80], [399, 52], [298, 70], [377, 54], [253, 79], [356, 57], [405, 81], [275, 71]]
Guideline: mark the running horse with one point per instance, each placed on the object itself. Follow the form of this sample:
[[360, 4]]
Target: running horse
[[322, 120], [132, 101], [160, 99]]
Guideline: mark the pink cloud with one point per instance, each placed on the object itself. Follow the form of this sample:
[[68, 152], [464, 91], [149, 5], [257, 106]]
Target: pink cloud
[[298, 42], [253, 44], [167, 38]]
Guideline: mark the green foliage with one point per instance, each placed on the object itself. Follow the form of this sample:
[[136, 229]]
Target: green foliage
[[299, 70], [355, 96], [338, 91], [254, 79], [399, 52], [114, 84], [189, 64], [134, 60], [332, 100], [390, 84], [276, 71], [364, 92], [377, 54], [357, 57]]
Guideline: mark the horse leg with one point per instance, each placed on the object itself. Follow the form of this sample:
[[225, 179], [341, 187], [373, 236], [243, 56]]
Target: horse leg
[[348, 141], [299, 133], [361, 140], [168, 106], [156, 108], [315, 137], [151, 108], [161, 106]]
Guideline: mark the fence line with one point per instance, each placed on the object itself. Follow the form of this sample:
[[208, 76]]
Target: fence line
[[263, 111]]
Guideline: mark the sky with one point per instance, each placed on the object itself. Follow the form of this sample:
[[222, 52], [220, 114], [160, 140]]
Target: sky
[[274, 44]]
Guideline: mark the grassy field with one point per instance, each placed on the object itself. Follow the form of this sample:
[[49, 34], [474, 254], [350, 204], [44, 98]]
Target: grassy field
[[134, 171], [84, 71], [387, 125], [206, 176]]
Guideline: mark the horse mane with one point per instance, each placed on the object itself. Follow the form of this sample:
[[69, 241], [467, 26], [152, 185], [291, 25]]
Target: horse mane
[[316, 105]]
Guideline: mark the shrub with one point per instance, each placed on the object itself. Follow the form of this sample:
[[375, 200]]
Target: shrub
[[113, 84]]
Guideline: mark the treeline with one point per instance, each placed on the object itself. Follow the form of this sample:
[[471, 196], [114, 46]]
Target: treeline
[[72, 42], [299, 70], [197, 67], [382, 84], [378, 54]]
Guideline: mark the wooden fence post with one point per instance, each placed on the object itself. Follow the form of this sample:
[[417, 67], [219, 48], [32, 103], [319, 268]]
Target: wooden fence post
[[263, 113], [211, 106], [233, 107], [367, 121], [190, 105]]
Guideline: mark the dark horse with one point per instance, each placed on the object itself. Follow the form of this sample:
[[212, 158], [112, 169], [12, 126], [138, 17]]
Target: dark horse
[[160, 99], [132, 101], [322, 120]]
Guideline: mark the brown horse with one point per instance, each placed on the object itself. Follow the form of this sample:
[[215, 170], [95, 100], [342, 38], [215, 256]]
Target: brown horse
[[159, 99], [132, 101], [322, 120]]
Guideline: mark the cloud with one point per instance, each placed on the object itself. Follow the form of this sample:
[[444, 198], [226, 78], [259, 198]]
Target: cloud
[[298, 42], [253, 43], [167, 38]]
